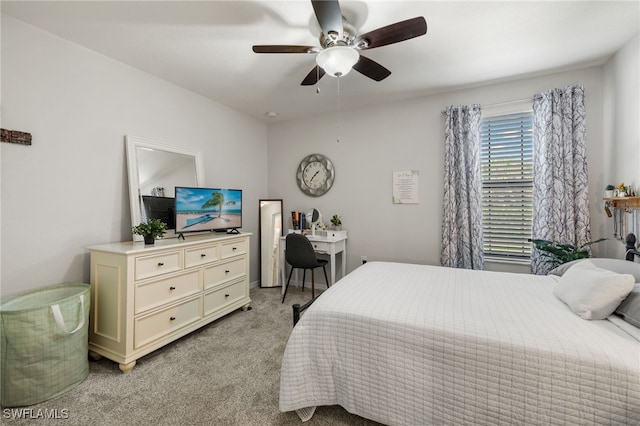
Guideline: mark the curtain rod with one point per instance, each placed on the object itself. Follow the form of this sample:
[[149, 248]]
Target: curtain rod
[[532, 98], [498, 104]]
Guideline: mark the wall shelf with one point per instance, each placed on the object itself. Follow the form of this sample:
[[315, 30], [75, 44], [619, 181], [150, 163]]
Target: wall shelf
[[623, 202]]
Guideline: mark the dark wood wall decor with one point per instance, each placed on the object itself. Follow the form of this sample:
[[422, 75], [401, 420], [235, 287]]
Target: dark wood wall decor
[[14, 136]]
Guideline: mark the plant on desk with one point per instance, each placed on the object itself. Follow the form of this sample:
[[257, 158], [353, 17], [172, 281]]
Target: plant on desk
[[151, 230], [336, 222]]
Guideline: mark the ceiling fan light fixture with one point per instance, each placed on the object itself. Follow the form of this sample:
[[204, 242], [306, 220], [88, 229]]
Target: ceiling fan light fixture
[[337, 61]]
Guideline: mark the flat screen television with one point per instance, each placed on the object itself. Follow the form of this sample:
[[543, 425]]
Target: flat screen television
[[162, 208], [208, 209]]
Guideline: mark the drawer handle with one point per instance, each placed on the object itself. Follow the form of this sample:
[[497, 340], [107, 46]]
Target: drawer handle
[[203, 255], [172, 288], [226, 271], [160, 264], [234, 249], [226, 295], [172, 318]]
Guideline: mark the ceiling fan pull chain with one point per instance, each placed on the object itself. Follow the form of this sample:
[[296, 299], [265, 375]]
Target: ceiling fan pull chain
[[339, 113]]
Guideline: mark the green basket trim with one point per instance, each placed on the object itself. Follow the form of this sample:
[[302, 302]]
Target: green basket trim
[[43, 297]]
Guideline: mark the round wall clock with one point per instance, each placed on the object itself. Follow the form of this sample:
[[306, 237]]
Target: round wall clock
[[315, 175]]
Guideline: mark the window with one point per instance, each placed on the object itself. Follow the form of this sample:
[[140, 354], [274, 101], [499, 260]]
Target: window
[[507, 184]]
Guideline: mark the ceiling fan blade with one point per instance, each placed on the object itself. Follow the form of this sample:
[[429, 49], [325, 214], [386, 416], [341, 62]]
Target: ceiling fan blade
[[371, 69], [394, 33], [329, 16], [268, 48], [313, 77]]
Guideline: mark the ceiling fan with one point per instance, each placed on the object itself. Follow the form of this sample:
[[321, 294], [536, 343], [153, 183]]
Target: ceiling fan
[[340, 45]]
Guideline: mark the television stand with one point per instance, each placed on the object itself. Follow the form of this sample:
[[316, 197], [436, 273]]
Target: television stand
[[211, 276], [233, 231]]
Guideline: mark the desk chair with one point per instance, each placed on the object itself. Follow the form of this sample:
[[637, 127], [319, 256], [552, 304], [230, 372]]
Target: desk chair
[[299, 254]]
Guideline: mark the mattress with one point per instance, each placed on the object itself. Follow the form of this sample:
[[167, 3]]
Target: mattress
[[407, 344]]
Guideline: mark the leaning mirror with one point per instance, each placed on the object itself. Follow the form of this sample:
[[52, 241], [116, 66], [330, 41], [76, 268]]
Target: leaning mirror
[[154, 171], [270, 226]]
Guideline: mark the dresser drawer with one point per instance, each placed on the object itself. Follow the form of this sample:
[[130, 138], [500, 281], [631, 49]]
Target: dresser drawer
[[158, 264], [151, 327], [225, 272], [218, 299], [234, 248], [200, 255], [320, 246], [156, 293]]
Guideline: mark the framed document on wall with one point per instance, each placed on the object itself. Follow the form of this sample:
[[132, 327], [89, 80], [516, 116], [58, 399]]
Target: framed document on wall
[[405, 187]]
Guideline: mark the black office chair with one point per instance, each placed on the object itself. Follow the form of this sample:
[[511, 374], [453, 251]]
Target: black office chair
[[300, 254]]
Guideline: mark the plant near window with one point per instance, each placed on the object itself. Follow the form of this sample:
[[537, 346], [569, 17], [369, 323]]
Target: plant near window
[[151, 230], [556, 253]]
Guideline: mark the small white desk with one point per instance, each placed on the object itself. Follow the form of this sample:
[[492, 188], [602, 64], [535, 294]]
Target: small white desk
[[321, 245]]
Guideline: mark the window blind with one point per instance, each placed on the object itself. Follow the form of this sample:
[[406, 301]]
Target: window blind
[[507, 184]]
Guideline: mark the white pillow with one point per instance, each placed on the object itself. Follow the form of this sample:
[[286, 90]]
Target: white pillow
[[592, 292], [619, 266], [629, 309]]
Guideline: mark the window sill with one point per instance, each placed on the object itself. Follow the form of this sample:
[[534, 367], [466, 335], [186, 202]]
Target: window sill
[[501, 264], [507, 261]]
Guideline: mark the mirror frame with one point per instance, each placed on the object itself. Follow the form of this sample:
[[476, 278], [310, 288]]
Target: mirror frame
[[132, 144], [260, 238]]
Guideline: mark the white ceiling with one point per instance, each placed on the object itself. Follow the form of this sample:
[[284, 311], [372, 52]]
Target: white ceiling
[[205, 46]]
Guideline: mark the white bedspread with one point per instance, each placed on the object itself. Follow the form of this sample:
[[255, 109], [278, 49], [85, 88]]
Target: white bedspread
[[425, 345]]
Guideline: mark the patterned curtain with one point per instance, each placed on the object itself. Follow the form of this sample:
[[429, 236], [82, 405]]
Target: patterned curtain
[[560, 190], [462, 222]]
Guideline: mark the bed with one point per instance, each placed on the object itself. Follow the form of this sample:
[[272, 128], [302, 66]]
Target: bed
[[406, 344]]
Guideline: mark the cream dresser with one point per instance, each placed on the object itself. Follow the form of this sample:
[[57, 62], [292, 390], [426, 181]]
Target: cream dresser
[[143, 297]]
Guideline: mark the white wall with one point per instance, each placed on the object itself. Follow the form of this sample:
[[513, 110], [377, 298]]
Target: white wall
[[406, 135], [69, 189], [621, 133], [1, 182]]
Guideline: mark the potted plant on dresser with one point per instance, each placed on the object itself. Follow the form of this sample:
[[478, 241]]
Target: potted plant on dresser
[[151, 230]]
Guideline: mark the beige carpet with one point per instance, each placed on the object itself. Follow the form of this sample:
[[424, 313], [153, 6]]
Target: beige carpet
[[226, 373]]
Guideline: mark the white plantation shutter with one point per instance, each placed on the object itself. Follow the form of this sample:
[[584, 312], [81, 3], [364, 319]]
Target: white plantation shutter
[[507, 184]]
